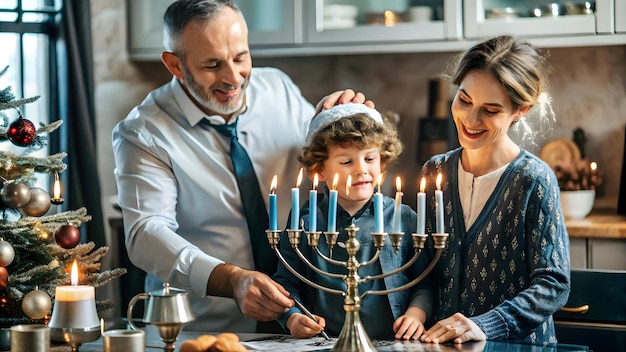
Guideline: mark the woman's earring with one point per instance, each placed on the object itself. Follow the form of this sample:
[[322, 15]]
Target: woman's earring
[[516, 121]]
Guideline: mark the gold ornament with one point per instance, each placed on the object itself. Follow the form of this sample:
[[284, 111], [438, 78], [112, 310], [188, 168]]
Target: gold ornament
[[7, 253], [36, 304], [15, 194], [38, 204]]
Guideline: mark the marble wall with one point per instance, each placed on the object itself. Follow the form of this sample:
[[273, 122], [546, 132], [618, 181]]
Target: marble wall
[[588, 87]]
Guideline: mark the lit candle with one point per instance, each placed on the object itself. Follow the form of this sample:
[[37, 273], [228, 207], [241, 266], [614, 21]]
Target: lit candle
[[56, 190], [313, 205], [332, 206], [397, 227], [272, 201], [378, 208], [75, 305], [348, 184], [439, 205], [295, 203], [421, 208]]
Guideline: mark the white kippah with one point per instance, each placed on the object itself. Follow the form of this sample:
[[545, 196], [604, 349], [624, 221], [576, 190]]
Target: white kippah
[[326, 117]]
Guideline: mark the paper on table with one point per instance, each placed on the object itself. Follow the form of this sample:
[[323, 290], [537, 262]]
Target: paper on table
[[291, 344]]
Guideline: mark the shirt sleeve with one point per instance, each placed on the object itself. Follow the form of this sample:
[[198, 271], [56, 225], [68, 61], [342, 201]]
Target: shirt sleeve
[[147, 193]]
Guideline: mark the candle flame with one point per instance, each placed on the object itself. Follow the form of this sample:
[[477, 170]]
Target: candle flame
[[439, 177], [380, 182], [348, 184], [398, 184], [315, 181], [335, 181], [56, 189], [299, 178], [423, 184], [74, 274], [274, 184], [101, 326], [593, 166]]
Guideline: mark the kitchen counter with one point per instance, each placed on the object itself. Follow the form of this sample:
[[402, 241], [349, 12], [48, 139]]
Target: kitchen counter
[[598, 224]]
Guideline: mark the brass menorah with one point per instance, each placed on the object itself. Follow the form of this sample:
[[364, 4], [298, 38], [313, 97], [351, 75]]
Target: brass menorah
[[353, 336]]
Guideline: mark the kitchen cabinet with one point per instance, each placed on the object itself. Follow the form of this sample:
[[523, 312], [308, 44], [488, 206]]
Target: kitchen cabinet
[[272, 22], [595, 312], [145, 28], [350, 22], [620, 16], [335, 27], [598, 241]]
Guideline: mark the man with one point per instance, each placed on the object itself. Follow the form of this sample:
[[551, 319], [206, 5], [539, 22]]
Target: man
[[182, 206]]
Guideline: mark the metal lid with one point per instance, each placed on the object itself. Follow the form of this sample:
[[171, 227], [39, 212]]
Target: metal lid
[[167, 291]]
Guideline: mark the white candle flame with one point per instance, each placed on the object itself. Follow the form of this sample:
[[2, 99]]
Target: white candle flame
[[74, 274]]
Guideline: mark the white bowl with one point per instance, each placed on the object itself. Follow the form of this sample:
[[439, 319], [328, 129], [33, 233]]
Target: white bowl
[[577, 204]]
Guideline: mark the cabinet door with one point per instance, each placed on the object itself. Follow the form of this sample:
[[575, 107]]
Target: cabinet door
[[578, 253], [607, 253], [620, 16], [272, 21], [384, 21], [486, 18], [145, 27]]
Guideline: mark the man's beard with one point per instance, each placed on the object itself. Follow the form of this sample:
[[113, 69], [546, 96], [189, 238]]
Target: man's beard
[[210, 102]]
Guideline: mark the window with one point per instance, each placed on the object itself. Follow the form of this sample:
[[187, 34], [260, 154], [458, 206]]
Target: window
[[28, 34]]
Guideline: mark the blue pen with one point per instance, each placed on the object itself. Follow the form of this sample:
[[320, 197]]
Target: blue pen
[[308, 314]]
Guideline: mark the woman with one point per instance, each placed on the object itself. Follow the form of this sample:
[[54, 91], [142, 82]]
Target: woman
[[505, 270]]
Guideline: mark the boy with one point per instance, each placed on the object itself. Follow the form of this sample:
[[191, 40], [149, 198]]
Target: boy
[[351, 140]]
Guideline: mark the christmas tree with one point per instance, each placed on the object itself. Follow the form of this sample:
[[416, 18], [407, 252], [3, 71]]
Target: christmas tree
[[37, 248]]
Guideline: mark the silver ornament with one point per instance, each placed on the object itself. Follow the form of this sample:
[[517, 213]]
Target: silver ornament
[[15, 194], [7, 253], [38, 204], [36, 304]]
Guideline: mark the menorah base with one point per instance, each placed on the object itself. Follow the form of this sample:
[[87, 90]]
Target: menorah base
[[353, 337]]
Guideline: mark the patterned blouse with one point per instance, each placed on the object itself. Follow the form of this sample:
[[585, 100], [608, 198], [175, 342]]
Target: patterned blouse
[[510, 271]]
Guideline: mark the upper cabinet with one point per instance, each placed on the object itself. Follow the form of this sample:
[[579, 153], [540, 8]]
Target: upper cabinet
[[367, 21], [273, 22], [316, 27]]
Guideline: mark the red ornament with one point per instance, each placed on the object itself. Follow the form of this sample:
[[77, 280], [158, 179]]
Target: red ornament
[[67, 236], [4, 278], [22, 132]]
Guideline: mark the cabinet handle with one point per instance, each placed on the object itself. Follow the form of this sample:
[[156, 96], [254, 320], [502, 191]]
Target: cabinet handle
[[582, 309]]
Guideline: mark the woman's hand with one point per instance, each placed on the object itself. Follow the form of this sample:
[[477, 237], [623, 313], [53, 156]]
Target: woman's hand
[[302, 327], [457, 327], [410, 326]]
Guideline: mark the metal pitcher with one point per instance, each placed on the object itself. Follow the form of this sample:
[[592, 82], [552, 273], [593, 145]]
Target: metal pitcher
[[167, 309]]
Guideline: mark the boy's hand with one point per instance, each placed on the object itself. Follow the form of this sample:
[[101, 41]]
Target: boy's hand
[[302, 327], [410, 326]]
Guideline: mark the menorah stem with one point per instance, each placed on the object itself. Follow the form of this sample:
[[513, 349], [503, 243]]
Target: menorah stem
[[353, 337]]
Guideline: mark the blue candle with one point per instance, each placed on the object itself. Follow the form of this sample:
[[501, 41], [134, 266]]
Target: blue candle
[[397, 217], [332, 206], [313, 206], [421, 208], [379, 226], [295, 203], [272, 201], [439, 206]]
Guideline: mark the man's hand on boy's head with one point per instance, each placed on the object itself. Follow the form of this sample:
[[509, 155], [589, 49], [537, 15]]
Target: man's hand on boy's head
[[343, 97]]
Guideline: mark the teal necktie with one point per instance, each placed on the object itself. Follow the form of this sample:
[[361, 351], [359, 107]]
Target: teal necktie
[[251, 197]]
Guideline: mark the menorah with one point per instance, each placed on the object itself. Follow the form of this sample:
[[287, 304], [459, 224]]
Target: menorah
[[353, 336]]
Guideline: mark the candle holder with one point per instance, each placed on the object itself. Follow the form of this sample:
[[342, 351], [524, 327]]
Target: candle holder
[[353, 336], [74, 322]]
